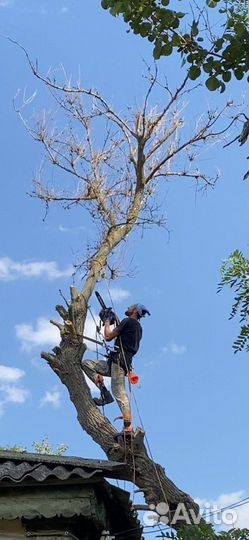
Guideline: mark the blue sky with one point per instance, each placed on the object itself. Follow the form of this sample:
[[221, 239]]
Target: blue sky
[[193, 396]]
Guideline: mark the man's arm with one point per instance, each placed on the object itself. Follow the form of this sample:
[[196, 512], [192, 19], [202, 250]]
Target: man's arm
[[110, 334]]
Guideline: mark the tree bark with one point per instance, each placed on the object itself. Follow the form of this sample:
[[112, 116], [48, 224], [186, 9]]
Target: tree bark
[[148, 476]]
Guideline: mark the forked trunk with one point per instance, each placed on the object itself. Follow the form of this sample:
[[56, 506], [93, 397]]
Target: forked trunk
[[147, 475]]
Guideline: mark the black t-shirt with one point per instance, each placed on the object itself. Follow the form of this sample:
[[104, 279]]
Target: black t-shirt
[[130, 333]]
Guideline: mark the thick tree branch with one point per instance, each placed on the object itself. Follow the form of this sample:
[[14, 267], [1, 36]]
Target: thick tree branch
[[117, 182]]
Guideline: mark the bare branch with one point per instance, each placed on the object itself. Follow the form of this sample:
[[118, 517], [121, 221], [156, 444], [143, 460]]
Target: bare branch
[[114, 165]]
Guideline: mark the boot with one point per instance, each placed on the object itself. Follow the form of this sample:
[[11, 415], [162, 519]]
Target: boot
[[105, 399], [127, 430]]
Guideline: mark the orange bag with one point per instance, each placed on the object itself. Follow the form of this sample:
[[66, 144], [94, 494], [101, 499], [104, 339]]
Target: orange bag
[[133, 378]]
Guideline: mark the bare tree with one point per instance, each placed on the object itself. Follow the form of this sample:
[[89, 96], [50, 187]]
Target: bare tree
[[117, 164]]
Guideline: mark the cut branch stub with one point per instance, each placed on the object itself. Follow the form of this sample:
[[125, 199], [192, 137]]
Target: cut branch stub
[[117, 180]]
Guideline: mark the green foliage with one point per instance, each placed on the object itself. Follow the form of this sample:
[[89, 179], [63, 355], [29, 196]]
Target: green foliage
[[193, 532], [217, 56], [43, 447], [15, 448], [235, 274], [206, 532]]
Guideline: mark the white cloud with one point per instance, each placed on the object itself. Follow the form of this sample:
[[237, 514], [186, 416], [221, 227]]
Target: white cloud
[[13, 270], [32, 336], [10, 374], [13, 394], [175, 348], [63, 229], [52, 397], [243, 517], [43, 333], [10, 392], [224, 500], [118, 294], [90, 330]]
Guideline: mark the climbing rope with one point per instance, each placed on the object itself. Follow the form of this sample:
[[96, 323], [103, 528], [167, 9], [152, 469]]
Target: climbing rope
[[131, 394], [130, 398], [138, 412]]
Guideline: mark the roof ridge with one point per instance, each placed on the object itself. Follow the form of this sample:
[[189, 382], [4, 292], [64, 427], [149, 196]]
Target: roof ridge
[[55, 458]]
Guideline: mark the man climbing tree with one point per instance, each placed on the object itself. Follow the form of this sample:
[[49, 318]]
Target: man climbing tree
[[116, 181], [127, 335]]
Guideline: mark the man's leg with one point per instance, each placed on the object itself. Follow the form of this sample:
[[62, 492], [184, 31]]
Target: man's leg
[[96, 371], [119, 392]]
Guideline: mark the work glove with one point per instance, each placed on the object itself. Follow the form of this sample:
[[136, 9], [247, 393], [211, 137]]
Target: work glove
[[107, 315]]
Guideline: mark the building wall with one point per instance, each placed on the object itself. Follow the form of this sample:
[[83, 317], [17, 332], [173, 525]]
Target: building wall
[[13, 529]]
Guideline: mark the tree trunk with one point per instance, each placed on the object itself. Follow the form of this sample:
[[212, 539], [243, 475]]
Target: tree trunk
[[147, 475]]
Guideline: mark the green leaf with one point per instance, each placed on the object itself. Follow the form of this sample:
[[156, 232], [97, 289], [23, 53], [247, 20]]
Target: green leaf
[[115, 10], [235, 273], [154, 21], [222, 87], [211, 3], [218, 44], [240, 28], [190, 58], [176, 40], [175, 23], [194, 73], [166, 16], [194, 29], [207, 67], [226, 76], [145, 29], [157, 50], [166, 49], [239, 73], [105, 4], [212, 83]]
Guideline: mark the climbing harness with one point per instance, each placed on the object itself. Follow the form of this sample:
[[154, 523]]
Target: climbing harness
[[132, 394], [113, 355], [132, 379]]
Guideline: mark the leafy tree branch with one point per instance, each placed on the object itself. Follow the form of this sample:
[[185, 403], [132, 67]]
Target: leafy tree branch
[[235, 274], [113, 167], [212, 43]]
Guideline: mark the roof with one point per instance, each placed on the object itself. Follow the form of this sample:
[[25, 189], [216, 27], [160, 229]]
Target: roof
[[38, 485], [13, 465]]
